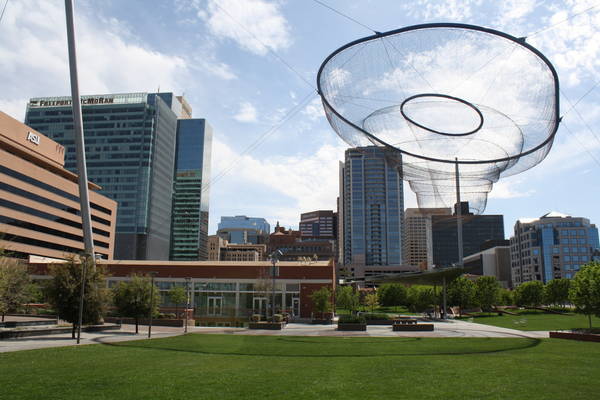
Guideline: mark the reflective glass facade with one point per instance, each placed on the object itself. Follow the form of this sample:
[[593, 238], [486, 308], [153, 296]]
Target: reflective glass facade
[[241, 229], [373, 207], [130, 152], [190, 191], [553, 246]]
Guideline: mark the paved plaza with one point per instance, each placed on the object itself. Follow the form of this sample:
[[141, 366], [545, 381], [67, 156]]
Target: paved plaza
[[441, 329]]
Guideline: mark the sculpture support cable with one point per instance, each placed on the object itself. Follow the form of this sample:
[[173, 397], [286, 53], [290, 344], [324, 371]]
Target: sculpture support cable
[[441, 95]]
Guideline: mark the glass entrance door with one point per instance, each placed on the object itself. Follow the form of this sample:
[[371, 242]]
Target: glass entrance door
[[295, 307], [259, 306], [215, 306]]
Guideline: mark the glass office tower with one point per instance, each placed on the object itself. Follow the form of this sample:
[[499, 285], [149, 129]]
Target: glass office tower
[[190, 191], [130, 151], [373, 208], [244, 230]]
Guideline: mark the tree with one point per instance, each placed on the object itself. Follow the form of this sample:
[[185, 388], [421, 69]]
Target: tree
[[132, 298], [371, 300], [530, 294], [64, 291], [177, 295], [347, 298], [392, 295], [556, 292], [321, 300], [506, 297], [584, 292], [14, 285], [461, 293], [420, 298], [486, 292]]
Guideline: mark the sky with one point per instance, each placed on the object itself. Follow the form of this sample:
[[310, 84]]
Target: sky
[[249, 67]]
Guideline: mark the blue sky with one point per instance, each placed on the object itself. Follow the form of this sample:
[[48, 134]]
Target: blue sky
[[226, 57]]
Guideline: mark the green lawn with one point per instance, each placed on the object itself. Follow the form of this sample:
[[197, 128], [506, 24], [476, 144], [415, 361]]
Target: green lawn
[[533, 320], [273, 367]]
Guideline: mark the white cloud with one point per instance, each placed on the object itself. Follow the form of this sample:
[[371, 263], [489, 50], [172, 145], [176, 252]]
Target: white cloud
[[33, 50], [509, 189], [452, 10], [298, 184], [314, 109], [255, 25], [247, 113]]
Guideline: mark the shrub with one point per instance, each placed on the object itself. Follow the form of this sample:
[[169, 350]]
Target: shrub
[[375, 316], [420, 298], [392, 295], [255, 318], [530, 294], [278, 318], [352, 319]]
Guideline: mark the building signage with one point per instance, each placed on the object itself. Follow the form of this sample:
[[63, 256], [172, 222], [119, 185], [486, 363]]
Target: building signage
[[33, 138], [65, 101], [68, 102]]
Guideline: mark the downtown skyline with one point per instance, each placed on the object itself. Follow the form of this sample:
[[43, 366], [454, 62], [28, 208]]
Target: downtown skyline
[[227, 59]]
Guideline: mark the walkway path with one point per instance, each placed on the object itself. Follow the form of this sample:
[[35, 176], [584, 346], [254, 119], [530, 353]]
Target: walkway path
[[442, 329]]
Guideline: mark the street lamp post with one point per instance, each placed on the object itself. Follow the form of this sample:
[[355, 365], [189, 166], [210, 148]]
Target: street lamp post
[[152, 274], [187, 307], [274, 258]]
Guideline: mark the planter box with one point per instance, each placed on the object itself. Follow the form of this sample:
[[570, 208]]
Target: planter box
[[321, 321], [412, 327], [180, 323], [20, 333], [379, 322], [351, 327], [587, 337], [272, 326]]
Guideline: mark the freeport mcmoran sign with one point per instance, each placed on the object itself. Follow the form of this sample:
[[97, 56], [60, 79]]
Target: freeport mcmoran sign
[[68, 102], [65, 101]]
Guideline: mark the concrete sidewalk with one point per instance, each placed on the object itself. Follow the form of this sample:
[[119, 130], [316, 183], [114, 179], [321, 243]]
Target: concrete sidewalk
[[448, 328], [444, 329]]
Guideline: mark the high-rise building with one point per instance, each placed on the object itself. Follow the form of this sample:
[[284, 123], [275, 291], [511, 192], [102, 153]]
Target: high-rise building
[[130, 150], [492, 260], [189, 231], [242, 230], [39, 199], [553, 246], [418, 242], [320, 224], [373, 206], [476, 229], [221, 250]]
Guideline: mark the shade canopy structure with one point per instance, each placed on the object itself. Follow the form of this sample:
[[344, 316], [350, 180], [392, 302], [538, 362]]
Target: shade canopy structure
[[444, 94]]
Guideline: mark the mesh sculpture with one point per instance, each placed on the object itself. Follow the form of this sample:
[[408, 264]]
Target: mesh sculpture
[[449, 102]]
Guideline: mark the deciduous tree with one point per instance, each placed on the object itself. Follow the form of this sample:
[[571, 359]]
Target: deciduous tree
[[392, 295], [321, 300], [486, 292], [347, 298], [584, 291], [461, 293], [557, 292], [530, 294], [132, 298], [177, 295], [14, 284], [64, 291]]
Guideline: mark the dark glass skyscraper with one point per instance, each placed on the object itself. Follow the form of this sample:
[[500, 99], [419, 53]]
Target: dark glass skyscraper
[[190, 195], [373, 205], [476, 229], [130, 151]]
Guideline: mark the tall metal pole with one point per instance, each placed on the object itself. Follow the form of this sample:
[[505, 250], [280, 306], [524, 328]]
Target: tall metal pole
[[151, 304], [444, 296], [80, 153], [187, 307], [274, 261], [458, 211]]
